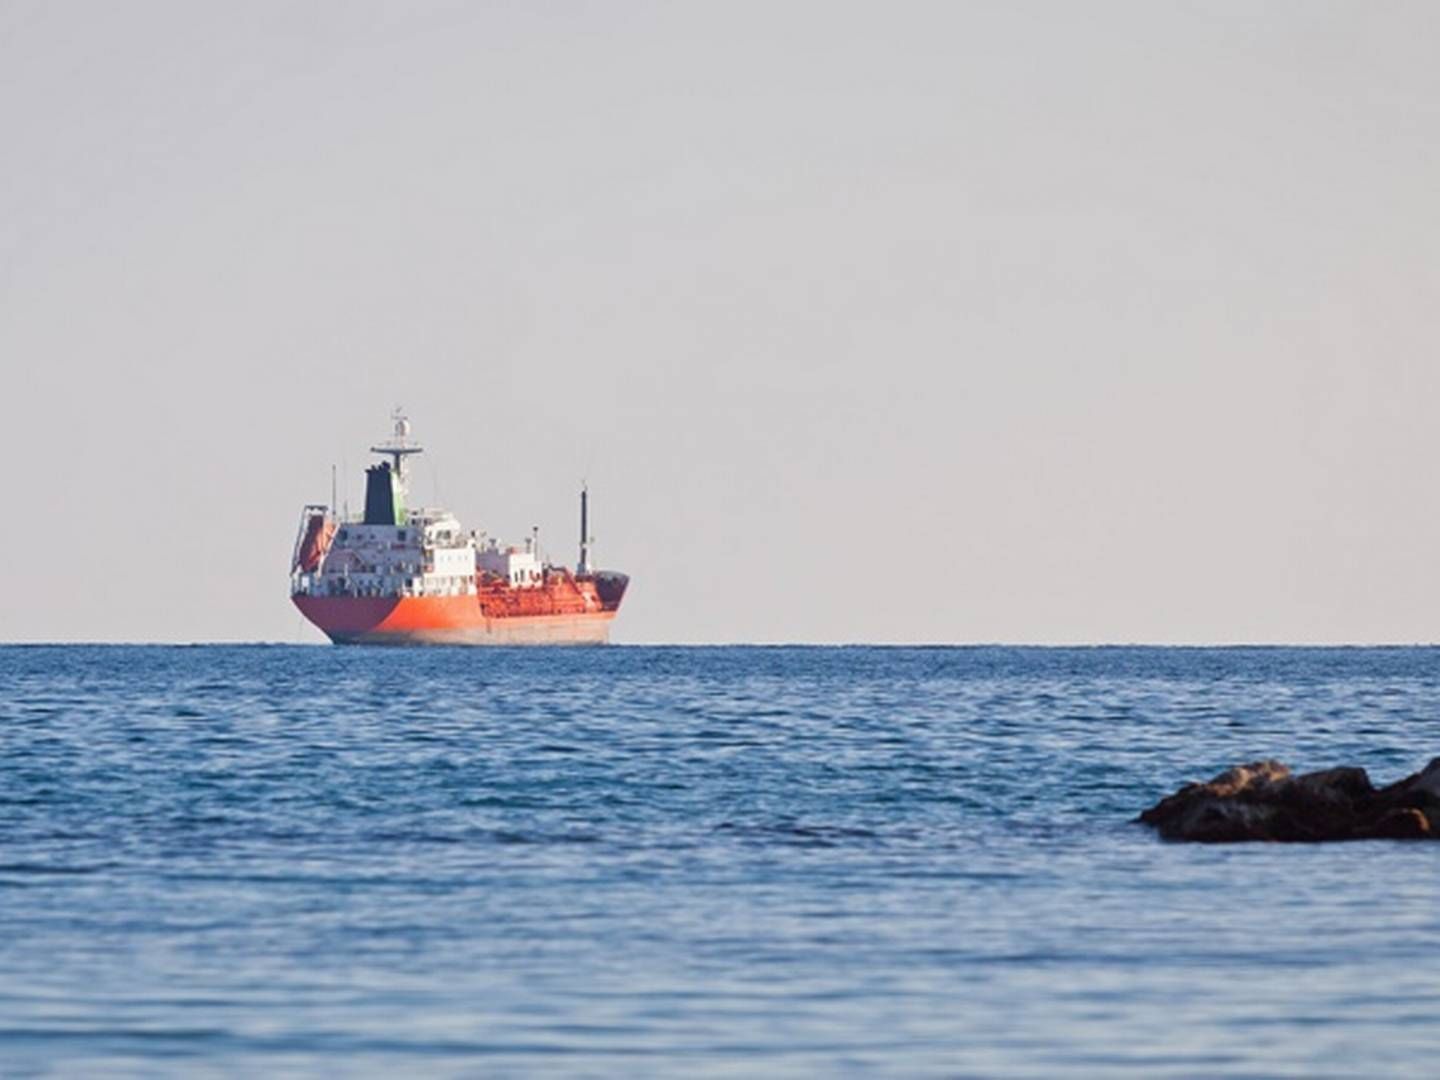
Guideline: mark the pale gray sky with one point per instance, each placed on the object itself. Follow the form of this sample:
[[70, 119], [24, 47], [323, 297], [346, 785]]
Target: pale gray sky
[[1030, 322]]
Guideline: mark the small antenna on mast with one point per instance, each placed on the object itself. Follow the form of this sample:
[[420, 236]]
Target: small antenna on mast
[[398, 447]]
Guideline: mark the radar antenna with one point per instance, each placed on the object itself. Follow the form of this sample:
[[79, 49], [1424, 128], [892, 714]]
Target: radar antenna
[[398, 446]]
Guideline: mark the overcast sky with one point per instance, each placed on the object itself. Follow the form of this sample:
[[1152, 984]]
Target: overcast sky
[[950, 322]]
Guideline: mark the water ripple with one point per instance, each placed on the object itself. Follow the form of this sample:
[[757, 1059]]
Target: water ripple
[[775, 861]]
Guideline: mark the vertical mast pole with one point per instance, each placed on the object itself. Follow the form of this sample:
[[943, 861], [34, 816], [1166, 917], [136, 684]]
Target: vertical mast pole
[[584, 567]]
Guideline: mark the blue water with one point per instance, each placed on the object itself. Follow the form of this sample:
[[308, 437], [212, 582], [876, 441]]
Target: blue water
[[698, 862]]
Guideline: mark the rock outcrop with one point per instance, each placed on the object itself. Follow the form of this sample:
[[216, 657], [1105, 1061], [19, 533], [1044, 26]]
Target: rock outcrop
[[1264, 801]]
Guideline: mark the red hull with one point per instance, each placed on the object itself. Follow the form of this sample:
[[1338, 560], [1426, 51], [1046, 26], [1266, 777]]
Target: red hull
[[561, 612]]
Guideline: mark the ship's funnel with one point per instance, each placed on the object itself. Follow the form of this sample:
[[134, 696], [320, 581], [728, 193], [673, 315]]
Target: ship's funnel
[[384, 497]]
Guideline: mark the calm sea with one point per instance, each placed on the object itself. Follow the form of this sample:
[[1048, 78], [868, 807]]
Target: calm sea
[[698, 862]]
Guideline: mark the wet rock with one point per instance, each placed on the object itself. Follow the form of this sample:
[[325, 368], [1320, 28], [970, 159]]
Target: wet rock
[[1265, 801]]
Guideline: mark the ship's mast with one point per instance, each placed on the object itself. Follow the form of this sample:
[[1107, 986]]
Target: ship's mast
[[398, 447], [585, 538]]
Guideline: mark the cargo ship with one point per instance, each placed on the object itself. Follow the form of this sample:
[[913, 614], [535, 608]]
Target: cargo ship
[[400, 576]]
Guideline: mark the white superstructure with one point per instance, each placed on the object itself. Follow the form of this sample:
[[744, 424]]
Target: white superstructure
[[520, 566], [430, 555]]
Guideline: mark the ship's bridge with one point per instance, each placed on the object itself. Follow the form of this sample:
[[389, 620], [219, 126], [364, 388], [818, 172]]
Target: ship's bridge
[[437, 526], [428, 555]]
